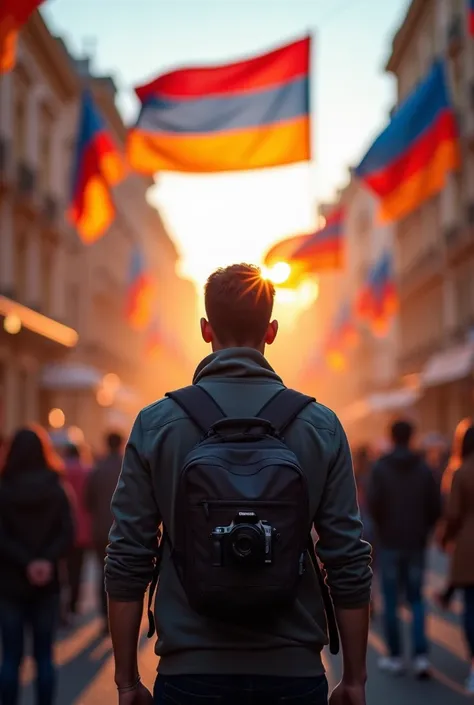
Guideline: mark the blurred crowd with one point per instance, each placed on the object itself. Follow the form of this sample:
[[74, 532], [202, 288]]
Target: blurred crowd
[[411, 496], [55, 511]]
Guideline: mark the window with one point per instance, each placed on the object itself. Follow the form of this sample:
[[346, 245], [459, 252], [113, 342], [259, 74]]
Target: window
[[21, 87], [45, 148], [46, 276], [20, 260]]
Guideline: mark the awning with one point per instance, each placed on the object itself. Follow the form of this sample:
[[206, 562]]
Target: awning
[[449, 365], [391, 400], [38, 323], [65, 377]]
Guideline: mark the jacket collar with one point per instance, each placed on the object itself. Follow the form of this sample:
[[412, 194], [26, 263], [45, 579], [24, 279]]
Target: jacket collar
[[245, 363]]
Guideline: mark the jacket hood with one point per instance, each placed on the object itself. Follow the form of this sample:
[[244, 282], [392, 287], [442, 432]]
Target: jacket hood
[[30, 488], [237, 363]]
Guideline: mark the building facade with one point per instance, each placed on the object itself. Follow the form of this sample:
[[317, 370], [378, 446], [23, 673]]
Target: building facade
[[104, 373], [434, 245], [35, 324]]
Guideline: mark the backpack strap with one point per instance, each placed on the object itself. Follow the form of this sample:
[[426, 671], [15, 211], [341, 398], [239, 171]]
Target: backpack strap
[[198, 405], [284, 407]]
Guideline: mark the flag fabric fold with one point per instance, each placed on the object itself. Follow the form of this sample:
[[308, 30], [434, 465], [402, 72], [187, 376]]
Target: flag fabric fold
[[98, 167], [324, 249], [247, 115], [470, 17], [342, 337], [409, 162], [377, 302], [14, 14], [140, 293]]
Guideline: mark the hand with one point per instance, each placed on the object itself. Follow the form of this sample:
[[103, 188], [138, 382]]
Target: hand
[[348, 695], [139, 696], [39, 573]]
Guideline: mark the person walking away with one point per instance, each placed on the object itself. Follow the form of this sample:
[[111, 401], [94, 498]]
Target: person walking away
[[36, 532], [240, 608], [459, 531], [445, 597], [77, 473], [404, 501], [100, 487]]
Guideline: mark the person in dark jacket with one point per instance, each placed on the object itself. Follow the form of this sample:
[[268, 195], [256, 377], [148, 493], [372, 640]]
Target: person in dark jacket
[[100, 487], [405, 504], [36, 532], [203, 660]]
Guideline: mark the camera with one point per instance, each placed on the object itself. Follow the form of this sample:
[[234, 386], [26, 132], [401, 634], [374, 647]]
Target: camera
[[246, 541]]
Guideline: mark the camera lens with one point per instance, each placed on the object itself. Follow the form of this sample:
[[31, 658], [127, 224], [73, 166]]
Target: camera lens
[[243, 546]]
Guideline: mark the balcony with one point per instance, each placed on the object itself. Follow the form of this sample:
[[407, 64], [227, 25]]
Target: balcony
[[459, 239], [455, 36], [5, 163], [420, 272], [50, 210]]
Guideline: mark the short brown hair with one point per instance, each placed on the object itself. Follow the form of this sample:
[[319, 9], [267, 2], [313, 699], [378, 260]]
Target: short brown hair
[[239, 304]]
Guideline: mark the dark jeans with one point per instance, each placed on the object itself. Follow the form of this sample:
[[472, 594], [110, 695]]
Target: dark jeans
[[469, 617], [75, 562], [40, 616], [401, 574], [240, 690]]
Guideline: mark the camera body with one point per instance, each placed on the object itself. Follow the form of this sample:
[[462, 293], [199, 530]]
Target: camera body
[[247, 542]]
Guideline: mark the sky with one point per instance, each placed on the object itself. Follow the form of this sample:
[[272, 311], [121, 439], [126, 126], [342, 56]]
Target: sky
[[221, 219]]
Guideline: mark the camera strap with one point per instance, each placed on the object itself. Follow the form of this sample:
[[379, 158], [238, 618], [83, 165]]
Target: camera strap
[[333, 631]]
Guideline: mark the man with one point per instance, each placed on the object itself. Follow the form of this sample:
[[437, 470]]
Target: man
[[404, 501], [206, 660], [99, 490]]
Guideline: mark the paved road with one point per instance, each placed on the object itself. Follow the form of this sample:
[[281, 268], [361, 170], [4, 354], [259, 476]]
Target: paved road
[[86, 666]]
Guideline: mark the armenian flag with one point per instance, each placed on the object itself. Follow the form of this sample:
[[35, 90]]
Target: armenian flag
[[247, 115], [471, 17], [140, 294], [409, 162], [343, 336], [378, 300], [14, 14], [98, 167], [324, 250]]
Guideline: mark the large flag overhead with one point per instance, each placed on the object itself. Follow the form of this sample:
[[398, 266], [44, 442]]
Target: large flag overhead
[[324, 249], [99, 166], [247, 115], [13, 15], [409, 162]]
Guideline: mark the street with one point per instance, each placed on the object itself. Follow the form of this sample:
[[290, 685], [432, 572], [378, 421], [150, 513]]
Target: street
[[86, 668]]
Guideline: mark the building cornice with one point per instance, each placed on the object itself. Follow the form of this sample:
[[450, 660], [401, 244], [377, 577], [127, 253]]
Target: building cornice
[[404, 35], [51, 56]]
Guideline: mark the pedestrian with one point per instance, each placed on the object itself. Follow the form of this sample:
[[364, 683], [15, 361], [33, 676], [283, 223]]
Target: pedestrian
[[100, 487], [77, 473], [445, 597], [36, 532], [241, 605], [404, 501], [459, 531]]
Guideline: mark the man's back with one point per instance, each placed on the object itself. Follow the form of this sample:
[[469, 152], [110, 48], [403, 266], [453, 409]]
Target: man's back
[[101, 486], [241, 382], [404, 500]]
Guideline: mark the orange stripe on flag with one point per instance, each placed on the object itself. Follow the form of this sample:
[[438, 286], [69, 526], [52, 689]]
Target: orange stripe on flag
[[260, 147]]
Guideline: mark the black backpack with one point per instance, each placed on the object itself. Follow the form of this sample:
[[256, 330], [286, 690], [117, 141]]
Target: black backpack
[[241, 517]]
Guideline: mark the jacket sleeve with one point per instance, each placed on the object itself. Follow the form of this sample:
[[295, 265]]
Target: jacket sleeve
[[133, 538], [433, 499], [340, 548], [454, 509], [11, 549], [65, 535]]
